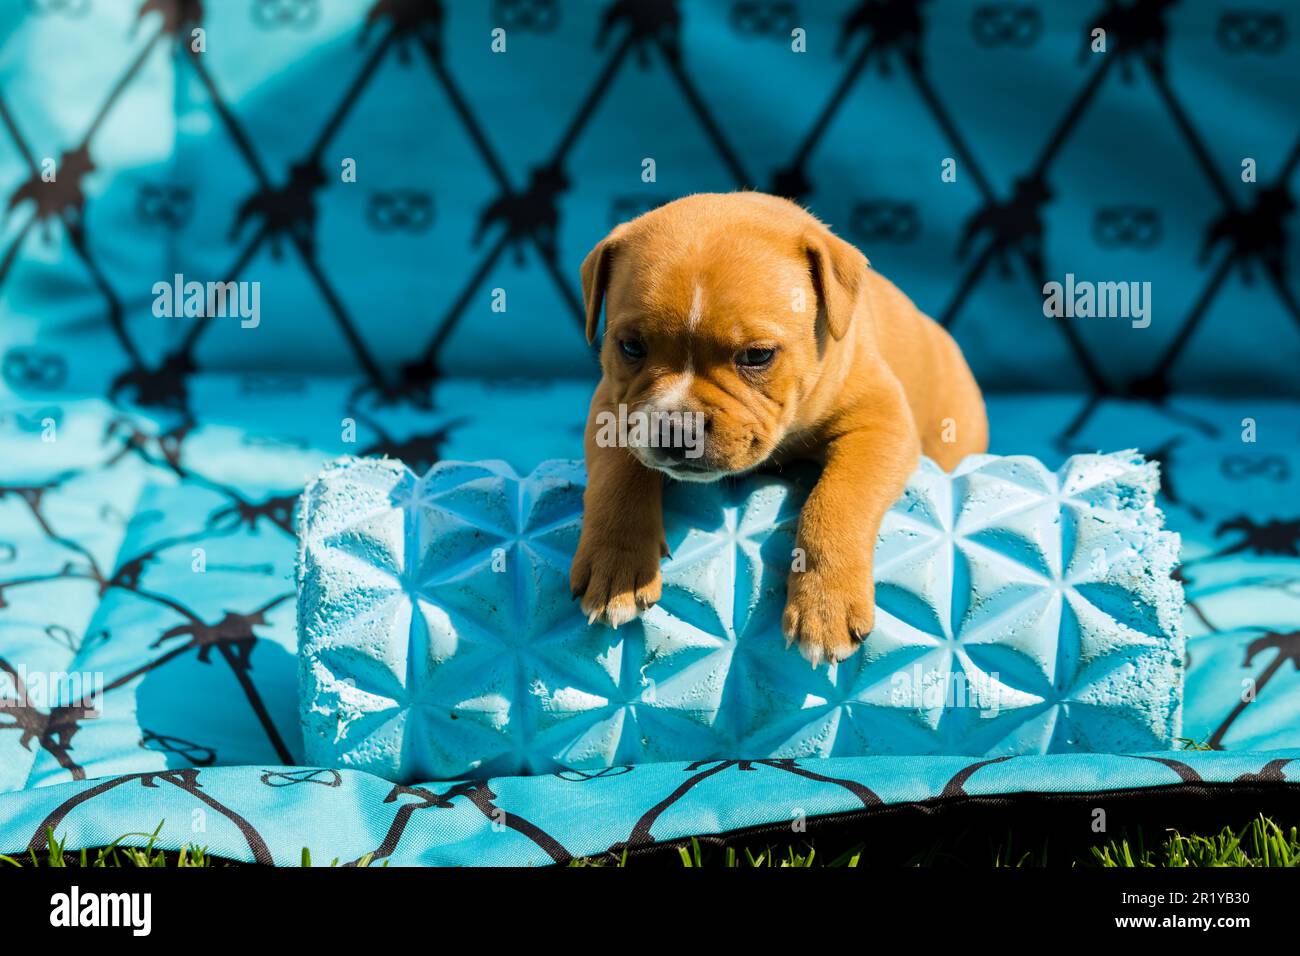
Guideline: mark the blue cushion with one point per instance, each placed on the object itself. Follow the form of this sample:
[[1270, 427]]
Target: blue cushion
[[1020, 611]]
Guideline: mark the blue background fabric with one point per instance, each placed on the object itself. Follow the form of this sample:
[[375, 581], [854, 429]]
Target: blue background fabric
[[481, 171]]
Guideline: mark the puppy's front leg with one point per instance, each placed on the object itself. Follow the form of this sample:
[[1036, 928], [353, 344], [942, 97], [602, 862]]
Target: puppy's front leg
[[830, 605], [616, 568]]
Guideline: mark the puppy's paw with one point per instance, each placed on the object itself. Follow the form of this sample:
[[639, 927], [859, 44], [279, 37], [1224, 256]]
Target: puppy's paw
[[618, 581], [827, 615]]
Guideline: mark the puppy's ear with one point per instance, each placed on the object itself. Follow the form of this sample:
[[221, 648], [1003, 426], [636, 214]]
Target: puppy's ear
[[595, 279], [839, 276]]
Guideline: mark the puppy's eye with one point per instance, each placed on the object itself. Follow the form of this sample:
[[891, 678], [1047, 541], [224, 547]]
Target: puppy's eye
[[755, 358], [633, 349]]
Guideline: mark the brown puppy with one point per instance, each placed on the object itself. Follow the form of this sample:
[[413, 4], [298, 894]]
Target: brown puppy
[[745, 309]]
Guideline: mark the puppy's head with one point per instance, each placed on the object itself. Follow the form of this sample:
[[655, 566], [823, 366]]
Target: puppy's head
[[719, 310]]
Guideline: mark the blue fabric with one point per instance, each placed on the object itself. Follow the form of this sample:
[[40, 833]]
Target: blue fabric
[[1018, 611], [97, 576], [268, 813]]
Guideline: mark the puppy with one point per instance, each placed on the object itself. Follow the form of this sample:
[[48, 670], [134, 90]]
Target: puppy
[[744, 312]]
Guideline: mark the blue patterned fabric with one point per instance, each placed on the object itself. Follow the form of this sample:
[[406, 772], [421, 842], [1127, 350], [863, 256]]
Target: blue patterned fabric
[[148, 465], [97, 577], [268, 814]]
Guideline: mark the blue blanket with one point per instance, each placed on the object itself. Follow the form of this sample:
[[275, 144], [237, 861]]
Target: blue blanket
[[160, 572], [268, 814]]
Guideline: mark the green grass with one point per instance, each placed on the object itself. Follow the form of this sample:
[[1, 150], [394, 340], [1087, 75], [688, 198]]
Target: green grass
[[1260, 843], [116, 855]]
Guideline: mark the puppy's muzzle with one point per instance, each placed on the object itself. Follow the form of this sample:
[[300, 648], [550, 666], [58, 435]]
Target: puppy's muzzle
[[678, 456], [682, 452], [683, 462]]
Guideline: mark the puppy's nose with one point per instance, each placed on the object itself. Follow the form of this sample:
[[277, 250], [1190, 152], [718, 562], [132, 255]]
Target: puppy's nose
[[680, 445], [675, 452]]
